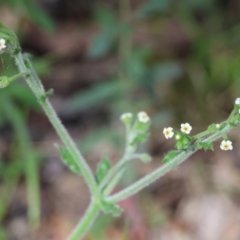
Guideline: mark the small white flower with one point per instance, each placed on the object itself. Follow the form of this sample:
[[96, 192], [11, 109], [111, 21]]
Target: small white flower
[[226, 145], [237, 101], [2, 44], [125, 116], [217, 125], [186, 128], [143, 117], [168, 132]]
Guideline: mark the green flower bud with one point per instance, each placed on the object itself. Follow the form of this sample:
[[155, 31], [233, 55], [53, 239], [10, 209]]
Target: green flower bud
[[4, 81]]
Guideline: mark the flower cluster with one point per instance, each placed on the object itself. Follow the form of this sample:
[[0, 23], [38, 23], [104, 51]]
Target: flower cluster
[[185, 128], [142, 117], [2, 44]]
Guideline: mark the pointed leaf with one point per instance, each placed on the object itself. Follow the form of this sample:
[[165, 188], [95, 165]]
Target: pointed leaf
[[233, 124], [68, 159], [110, 208], [170, 156], [140, 138], [222, 126], [145, 158], [102, 168], [205, 145], [212, 128]]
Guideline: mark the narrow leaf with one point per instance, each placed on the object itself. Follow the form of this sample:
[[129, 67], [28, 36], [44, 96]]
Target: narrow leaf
[[205, 145], [102, 168], [110, 208], [170, 156], [222, 126], [140, 138], [68, 159], [145, 158]]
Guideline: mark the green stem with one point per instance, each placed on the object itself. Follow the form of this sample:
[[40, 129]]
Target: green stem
[[37, 88], [234, 111], [11, 79], [31, 165], [119, 168], [115, 174], [150, 178], [202, 134], [86, 221]]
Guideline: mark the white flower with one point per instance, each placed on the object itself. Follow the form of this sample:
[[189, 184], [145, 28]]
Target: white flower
[[2, 43], [143, 117], [226, 145], [237, 101], [186, 128], [126, 116], [168, 132]]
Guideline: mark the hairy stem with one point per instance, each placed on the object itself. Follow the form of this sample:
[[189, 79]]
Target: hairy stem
[[37, 88], [152, 177], [86, 222]]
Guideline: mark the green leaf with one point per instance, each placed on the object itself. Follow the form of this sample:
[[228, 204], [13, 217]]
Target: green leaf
[[233, 124], [110, 208], [140, 138], [68, 159], [102, 168], [104, 41], [48, 93], [179, 145], [145, 158], [7, 34], [170, 156], [205, 145], [212, 128], [40, 16], [222, 126], [183, 142], [102, 44], [142, 127]]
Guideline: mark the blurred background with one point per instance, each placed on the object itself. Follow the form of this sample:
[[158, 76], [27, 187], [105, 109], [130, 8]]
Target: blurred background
[[177, 60]]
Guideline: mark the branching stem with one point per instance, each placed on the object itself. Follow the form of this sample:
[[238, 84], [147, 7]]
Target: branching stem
[[37, 88]]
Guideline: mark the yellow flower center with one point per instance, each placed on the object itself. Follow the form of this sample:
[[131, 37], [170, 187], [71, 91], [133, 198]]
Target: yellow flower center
[[185, 128], [225, 146]]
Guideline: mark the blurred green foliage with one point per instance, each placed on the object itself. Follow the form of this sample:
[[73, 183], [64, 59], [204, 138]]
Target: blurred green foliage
[[187, 68], [31, 9]]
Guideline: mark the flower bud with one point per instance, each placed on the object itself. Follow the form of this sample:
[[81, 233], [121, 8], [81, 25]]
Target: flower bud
[[4, 81]]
